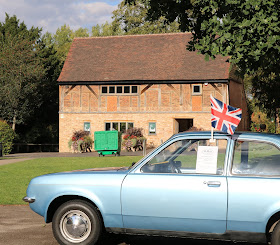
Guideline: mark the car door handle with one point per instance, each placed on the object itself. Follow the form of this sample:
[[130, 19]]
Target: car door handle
[[212, 183]]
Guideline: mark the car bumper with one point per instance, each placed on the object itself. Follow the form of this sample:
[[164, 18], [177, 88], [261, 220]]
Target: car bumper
[[28, 199]]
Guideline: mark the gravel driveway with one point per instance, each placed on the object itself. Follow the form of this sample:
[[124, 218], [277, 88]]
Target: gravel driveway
[[21, 226]]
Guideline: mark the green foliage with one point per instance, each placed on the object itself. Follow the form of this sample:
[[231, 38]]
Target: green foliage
[[266, 90], [245, 31], [259, 118], [107, 29], [132, 18], [7, 136], [19, 55]]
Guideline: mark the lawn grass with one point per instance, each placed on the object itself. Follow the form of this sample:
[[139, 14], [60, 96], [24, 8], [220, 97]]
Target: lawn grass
[[14, 178]]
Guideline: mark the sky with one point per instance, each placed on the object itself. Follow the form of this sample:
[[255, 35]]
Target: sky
[[52, 14]]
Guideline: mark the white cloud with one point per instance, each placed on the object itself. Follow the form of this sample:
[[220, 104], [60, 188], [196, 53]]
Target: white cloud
[[52, 14]]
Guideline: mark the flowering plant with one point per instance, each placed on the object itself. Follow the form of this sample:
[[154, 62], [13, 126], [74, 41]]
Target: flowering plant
[[80, 141], [133, 139]]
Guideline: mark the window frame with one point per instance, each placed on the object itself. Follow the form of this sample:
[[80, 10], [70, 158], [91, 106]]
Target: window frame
[[230, 173], [119, 125], [122, 90], [200, 89], [87, 123], [155, 133], [137, 167]]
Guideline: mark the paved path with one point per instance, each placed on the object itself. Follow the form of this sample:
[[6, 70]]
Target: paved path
[[21, 226]]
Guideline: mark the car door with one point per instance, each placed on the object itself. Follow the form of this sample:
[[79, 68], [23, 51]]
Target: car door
[[253, 184], [178, 188]]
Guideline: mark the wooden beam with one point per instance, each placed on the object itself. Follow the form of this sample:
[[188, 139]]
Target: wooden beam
[[91, 90], [146, 88], [68, 91]]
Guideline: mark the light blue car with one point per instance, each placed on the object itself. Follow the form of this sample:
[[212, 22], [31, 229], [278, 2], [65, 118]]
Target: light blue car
[[224, 188]]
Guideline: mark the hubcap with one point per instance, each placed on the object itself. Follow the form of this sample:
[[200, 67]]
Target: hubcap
[[75, 226]]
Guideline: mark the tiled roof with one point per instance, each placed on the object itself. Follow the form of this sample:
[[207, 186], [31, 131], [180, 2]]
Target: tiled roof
[[160, 57]]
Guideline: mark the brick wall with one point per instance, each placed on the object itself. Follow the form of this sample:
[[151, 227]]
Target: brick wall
[[164, 124], [160, 103]]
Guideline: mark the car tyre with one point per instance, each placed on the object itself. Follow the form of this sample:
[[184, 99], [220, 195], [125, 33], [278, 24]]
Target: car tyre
[[275, 238], [77, 222]]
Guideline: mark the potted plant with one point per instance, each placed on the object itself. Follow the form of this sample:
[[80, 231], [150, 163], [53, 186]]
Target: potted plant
[[133, 139], [80, 141]]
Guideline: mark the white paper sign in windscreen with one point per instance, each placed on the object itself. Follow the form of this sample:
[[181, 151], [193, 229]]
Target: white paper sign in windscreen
[[206, 162]]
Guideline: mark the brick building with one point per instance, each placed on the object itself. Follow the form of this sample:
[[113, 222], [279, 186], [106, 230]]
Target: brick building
[[146, 81]]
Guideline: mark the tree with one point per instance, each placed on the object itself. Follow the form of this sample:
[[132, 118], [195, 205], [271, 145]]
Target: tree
[[62, 41], [245, 31], [20, 70], [131, 18], [107, 29], [266, 90], [81, 32]]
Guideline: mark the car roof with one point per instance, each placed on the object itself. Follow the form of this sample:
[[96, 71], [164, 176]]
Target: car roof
[[236, 135]]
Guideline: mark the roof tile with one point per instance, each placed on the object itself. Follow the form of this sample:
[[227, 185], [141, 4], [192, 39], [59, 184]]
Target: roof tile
[[160, 57]]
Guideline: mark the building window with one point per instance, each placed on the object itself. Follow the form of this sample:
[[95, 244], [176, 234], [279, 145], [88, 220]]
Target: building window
[[152, 128], [104, 90], [112, 89], [121, 90], [126, 89], [87, 126], [196, 89], [134, 89], [107, 126], [119, 126]]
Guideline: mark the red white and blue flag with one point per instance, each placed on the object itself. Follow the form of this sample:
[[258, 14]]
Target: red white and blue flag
[[224, 117]]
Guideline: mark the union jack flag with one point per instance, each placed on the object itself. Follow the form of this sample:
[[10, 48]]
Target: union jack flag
[[224, 117]]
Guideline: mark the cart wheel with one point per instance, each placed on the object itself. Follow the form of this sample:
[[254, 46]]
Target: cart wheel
[[115, 154], [103, 155]]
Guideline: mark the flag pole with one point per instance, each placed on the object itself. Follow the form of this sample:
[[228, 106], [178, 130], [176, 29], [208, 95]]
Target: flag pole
[[212, 140]]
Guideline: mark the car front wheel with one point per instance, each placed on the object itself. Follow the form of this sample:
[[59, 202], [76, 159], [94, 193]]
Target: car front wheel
[[275, 238], [76, 222]]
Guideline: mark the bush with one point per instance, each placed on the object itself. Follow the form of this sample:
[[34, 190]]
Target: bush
[[7, 136]]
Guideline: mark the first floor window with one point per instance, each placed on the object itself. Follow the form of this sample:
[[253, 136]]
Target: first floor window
[[152, 128], [87, 126], [107, 126], [119, 126]]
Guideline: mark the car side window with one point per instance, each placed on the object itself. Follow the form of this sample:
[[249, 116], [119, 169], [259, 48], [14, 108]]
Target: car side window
[[189, 157], [255, 158]]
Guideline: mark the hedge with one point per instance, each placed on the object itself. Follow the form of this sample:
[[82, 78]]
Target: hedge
[[7, 136]]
